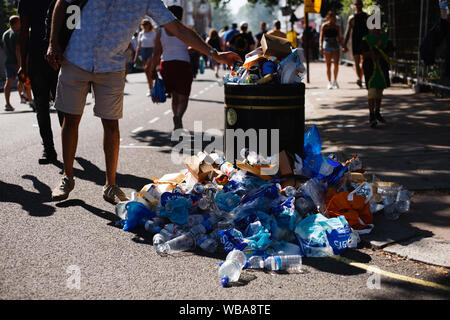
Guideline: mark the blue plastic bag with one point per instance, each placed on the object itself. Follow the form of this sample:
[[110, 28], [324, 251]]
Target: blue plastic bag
[[136, 212], [159, 92], [176, 210], [312, 143], [322, 237], [312, 238]]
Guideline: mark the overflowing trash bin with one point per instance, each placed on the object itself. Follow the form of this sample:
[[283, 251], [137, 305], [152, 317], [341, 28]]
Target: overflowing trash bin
[[313, 206], [266, 94]]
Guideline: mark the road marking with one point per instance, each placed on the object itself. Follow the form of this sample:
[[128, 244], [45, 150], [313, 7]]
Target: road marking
[[139, 147], [195, 96], [137, 130], [167, 112], [154, 120], [201, 92], [391, 275]]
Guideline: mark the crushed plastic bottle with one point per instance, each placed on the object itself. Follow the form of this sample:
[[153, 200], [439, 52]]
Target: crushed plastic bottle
[[292, 263], [231, 269]]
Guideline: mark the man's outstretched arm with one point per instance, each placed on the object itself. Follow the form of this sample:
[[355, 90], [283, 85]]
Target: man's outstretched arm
[[191, 38]]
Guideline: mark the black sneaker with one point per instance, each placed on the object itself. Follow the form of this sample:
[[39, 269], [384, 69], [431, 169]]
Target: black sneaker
[[359, 83], [48, 156], [379, 117], [372, 120]]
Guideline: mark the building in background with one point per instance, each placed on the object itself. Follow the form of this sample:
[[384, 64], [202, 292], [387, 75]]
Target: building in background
[[196, 14]]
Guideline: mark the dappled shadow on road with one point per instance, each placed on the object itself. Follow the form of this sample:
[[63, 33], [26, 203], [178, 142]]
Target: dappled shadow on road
[[407, 290], [94, 174], [96, 211], [412, 149], [188, 143], [32, 202]]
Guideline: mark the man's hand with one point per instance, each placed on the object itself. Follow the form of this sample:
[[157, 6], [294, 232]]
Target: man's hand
[[229, 58], [54, 56]]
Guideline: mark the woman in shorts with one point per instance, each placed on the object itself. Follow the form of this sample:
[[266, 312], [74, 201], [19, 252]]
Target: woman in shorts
[[144, 51], [330, 41], [175, 68]]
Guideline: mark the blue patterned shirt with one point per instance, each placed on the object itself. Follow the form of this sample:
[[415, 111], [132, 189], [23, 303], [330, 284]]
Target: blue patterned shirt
[[106, 28]]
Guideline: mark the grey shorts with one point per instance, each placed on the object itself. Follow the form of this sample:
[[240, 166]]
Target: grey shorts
[[73, 88]]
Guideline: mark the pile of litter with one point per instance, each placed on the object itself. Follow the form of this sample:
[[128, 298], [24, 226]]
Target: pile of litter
[[273, 62], [313, 206]]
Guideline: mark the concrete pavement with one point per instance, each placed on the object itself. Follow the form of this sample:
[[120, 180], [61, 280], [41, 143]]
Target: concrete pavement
[[412, 149]]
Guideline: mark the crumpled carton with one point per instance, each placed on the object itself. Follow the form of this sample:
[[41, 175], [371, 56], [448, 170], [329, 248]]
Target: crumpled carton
[[273, 46], [202, 167]]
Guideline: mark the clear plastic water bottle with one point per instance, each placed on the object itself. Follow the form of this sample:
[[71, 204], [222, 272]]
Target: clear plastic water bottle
[[403, 200], [291, 263], [169, 232], [209, 243], [195, 219], [153, 225], [181, 243], [231, 269], [289, 191]]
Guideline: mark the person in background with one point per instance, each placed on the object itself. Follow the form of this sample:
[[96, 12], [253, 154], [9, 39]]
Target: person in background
[[10, 41], [376, 48], [215, 42], [276, 31], [43, 78], [229, 35], [173, 57], [222, 33], [146, 44], [87, 61], [329, 46], [357, 26], [259, 35], [242, 42]]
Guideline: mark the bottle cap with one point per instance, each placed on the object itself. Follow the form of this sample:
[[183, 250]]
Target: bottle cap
[[224, 281]]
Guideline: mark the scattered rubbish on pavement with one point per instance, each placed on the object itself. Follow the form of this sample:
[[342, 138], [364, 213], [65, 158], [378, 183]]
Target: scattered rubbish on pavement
[[314, 206]]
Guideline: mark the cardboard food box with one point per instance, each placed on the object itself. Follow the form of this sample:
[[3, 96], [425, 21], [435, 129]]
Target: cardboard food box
[[255, 169], [275, 46], [200, 169], [285, 164]]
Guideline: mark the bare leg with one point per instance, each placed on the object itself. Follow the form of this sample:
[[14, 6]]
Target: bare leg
[[111, 144], [328, 63], [179, 107], [69, 135], [7, 90], [148, 73], [336, 56]]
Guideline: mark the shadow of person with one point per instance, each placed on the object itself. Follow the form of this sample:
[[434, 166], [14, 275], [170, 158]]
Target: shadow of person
[[96, 211], [32, 202], [94, 174]]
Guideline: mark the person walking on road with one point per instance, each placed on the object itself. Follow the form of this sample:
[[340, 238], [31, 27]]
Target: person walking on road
[[215, 42], [173, 57], [10, 41], [242, 42], [96, 54], [144, 51], [43, 78], [376, 48], [329, 46], [263, 27], [229, 35], [276, 31], [357, 26]]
